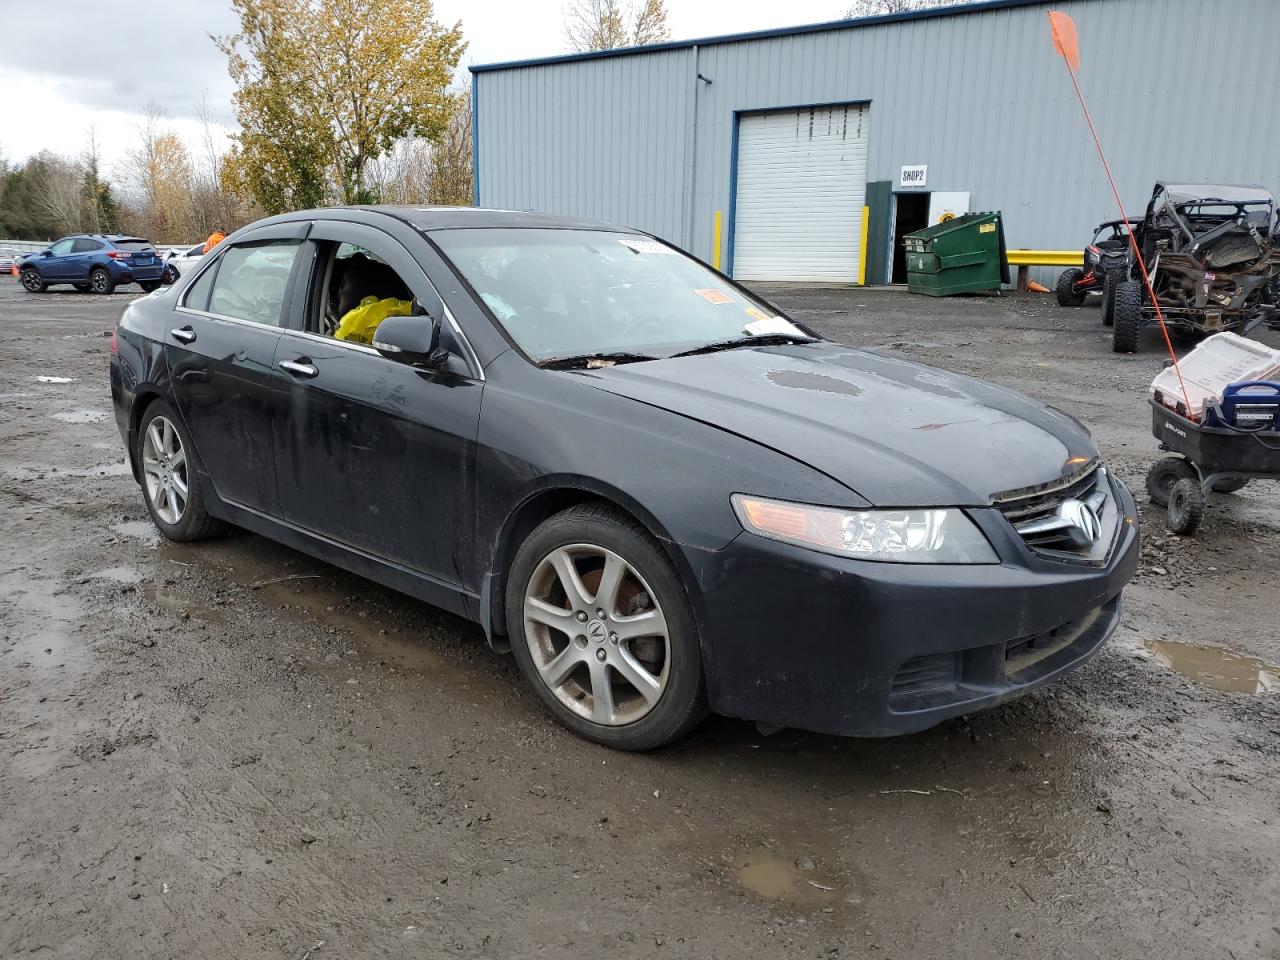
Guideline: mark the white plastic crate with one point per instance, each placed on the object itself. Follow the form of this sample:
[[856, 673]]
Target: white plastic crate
[[1220, 360]]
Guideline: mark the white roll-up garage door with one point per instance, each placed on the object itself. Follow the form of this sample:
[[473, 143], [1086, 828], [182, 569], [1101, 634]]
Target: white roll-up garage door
[[802, 182]]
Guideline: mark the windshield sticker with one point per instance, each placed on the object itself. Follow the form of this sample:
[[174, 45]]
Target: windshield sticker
[[711, 295], [645, 245], [757, 314], [762, 328]]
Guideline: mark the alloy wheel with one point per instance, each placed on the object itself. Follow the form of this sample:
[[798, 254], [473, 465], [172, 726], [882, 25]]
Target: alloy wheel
[[597, 635], [31, 281], [164, 470], [99, 281]]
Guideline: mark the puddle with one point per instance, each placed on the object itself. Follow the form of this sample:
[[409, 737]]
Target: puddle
[[43, 379], [15, 396], [176, 604], [81, 416], [117, 574], [775, 877], [143, 530], [1215, 667]]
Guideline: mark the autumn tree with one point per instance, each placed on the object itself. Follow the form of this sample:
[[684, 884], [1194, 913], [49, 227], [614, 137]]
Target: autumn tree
[[325, 88], [160, 171], [608, 24]]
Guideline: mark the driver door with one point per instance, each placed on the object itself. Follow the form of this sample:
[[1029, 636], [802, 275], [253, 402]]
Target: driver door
[[374, 453], [57, 266]]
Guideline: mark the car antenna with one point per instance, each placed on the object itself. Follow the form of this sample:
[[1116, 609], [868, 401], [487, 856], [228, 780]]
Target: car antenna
[[1067, 44]]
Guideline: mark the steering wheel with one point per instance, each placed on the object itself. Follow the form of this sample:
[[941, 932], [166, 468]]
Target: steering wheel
[[644, 323]]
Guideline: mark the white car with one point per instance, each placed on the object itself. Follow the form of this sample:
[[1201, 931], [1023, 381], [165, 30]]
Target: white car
[[181, 259]]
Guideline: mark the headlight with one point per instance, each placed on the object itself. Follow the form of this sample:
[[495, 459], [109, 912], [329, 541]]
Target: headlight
[[897, 536]]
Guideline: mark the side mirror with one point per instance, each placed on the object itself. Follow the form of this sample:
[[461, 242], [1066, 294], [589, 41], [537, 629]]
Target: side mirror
[[413, 340], [46, 253]]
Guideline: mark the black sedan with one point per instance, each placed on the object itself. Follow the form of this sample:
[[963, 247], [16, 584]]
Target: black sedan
[[662, 495]]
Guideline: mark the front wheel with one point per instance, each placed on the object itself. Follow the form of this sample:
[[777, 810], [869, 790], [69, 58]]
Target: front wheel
[[601, 627], [100, 281], [1127, 313], [170, 481], [32, 282], [1068, 295]]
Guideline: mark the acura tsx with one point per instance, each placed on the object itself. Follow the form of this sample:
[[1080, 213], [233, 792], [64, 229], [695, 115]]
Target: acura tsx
[[662, 495]]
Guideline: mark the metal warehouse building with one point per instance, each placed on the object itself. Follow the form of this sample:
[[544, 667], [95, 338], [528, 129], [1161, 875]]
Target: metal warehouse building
[[803, 153]]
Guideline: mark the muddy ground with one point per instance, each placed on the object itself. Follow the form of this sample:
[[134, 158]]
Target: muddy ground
[[231, 750]]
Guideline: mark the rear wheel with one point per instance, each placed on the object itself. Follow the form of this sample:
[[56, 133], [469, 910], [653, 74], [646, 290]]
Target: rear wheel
[[33, 282], [170, 480], [601, 627], [100, 281], [1127, 314], [1186, 507], [1068, 294], [1164, 474]]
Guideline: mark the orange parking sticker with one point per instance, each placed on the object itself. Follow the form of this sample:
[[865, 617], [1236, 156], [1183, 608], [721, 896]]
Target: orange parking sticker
[[711, 295]]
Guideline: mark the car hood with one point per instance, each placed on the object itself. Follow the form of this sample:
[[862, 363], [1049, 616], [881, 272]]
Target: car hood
[[895, 432]]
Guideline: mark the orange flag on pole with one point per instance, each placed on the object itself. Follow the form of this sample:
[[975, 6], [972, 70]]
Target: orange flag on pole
[[1064, 38]]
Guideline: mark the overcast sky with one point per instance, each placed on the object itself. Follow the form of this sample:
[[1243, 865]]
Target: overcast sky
[[69, 64]]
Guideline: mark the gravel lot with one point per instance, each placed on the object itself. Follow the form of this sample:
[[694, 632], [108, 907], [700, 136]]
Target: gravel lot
[[230, 750]]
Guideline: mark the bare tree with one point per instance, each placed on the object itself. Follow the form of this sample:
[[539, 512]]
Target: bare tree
[[875, 8], [451, 158], [59, 199], [608, 24]]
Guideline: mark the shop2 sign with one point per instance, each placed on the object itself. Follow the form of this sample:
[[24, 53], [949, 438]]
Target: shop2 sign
[[915, 175]]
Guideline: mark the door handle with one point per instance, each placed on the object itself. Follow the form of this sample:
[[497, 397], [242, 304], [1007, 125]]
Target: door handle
[[300, 367], [185, 334]]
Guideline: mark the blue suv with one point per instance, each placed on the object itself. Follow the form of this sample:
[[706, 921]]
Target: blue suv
[[93, 262]]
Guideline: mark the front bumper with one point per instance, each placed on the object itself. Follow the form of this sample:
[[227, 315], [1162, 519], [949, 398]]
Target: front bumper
[[801, 639]]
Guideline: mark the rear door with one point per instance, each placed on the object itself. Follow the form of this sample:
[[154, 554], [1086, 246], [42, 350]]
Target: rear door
[[370, 452], [81, 260], [221, 350]]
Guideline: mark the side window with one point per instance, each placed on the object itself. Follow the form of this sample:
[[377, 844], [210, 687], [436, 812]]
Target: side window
[[85, 245], [62, 247], [252, 280], [198, 294], [360, 291]]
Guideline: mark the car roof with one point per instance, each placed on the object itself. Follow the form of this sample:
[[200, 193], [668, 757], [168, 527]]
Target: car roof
[[428, 218], [1183, 192]]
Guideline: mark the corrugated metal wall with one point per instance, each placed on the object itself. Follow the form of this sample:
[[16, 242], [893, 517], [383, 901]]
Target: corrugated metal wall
[[1179, 89]]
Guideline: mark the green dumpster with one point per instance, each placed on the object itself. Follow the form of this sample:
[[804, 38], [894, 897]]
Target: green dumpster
[[962, 255]]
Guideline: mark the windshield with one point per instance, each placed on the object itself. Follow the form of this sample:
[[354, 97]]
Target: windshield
[[572, 293]]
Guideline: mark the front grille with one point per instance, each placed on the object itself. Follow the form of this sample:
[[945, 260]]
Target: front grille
[[1047, 527]]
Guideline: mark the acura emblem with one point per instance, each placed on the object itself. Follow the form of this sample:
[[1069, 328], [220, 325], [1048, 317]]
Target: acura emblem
[[1080, 522]]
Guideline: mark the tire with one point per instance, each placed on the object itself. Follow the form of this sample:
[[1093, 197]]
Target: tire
[[1127, 314], [149, 286], [83, 287], [191, 521], [592, 539], [100, 281], [1068, 295], [170, 276], [1186, 507], [1164, 474], [1230, 484], [32, 282]]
